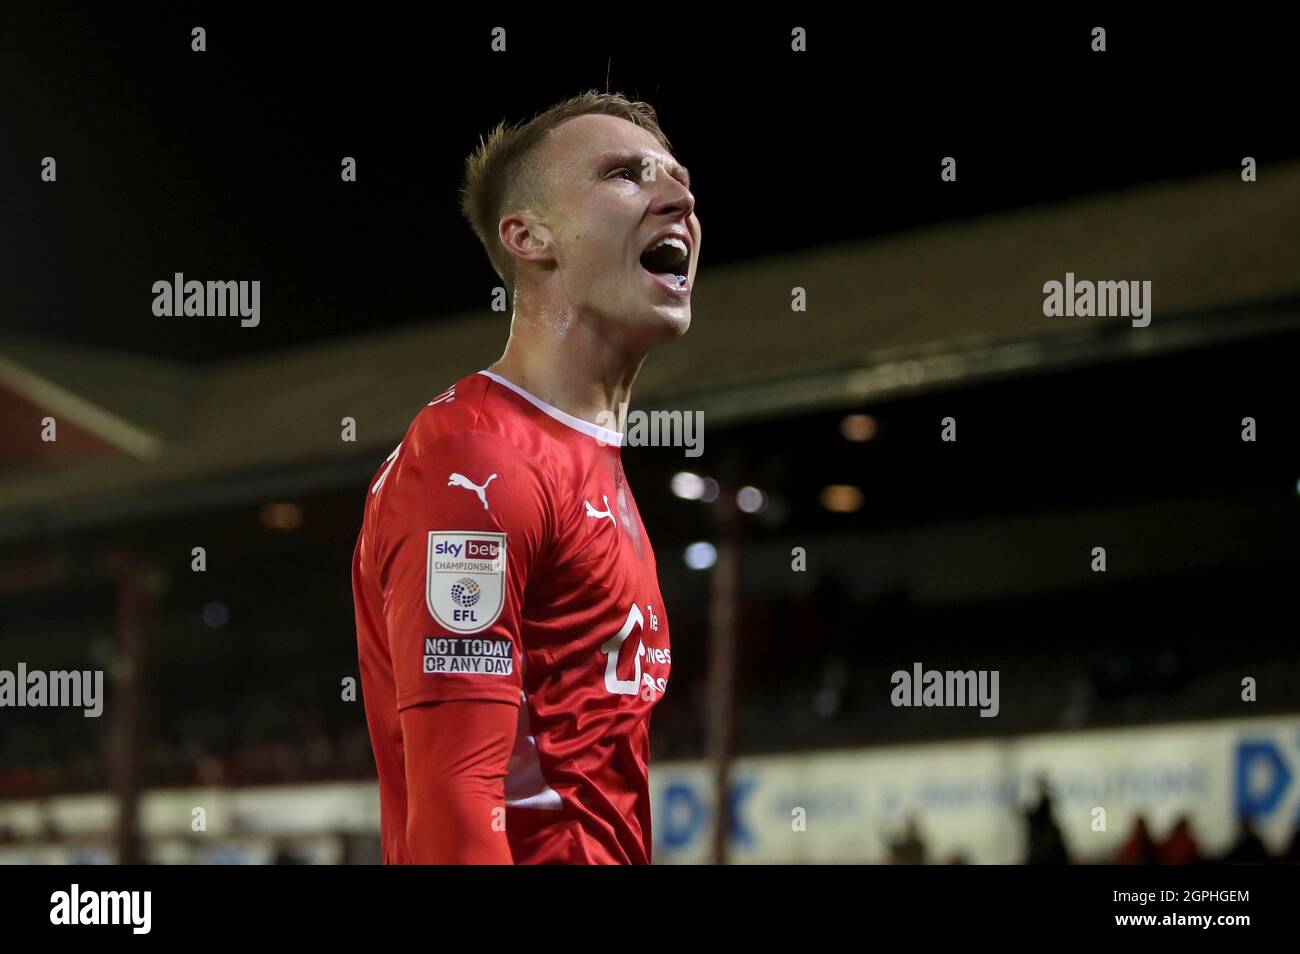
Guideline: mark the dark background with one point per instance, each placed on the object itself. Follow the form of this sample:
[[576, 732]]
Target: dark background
[[226, 163]]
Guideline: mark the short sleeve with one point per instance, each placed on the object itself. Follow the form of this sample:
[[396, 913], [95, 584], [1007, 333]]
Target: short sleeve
[[460, 523]]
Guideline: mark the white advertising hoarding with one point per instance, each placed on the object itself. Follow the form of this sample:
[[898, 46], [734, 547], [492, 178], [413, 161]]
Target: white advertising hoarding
[[823, 807], [967, 796]]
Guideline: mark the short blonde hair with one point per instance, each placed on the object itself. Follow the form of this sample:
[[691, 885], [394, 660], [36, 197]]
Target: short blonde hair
[[499, 180]]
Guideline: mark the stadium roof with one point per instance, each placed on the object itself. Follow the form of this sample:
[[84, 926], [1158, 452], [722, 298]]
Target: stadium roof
[[911, 311]]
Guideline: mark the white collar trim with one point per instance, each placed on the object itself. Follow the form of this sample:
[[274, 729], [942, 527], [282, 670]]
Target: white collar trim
[[602, 434]]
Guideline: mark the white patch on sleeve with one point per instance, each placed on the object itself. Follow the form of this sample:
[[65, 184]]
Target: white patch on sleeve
[[466, 579]]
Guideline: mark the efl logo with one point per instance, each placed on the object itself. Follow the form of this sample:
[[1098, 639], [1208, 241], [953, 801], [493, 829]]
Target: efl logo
[[482, 549], [466, 577]]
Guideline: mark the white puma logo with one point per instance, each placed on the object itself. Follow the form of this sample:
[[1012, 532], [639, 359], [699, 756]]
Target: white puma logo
[[460, 480], [593, 512]]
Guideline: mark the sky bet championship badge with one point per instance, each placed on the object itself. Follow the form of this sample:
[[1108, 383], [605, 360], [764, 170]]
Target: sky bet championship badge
[[466, 579]]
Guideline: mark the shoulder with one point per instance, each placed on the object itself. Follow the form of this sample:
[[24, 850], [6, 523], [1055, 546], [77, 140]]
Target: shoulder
[[464, 451], [472, 414]]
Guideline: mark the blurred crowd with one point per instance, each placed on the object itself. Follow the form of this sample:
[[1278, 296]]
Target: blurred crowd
[[1045, 845]]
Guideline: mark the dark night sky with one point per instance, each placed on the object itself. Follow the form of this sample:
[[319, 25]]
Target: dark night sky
[[225, 164]]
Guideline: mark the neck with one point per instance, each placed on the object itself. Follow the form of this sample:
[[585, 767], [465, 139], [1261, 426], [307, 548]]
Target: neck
[[569, 364]]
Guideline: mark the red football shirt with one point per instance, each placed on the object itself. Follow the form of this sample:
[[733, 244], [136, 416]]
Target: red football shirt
[[502, 559]]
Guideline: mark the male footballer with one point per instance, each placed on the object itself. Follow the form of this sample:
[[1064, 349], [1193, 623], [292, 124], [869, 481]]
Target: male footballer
[[511, 634]]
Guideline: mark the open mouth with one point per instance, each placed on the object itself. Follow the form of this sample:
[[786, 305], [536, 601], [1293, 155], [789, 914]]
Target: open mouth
[[668, 260]]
